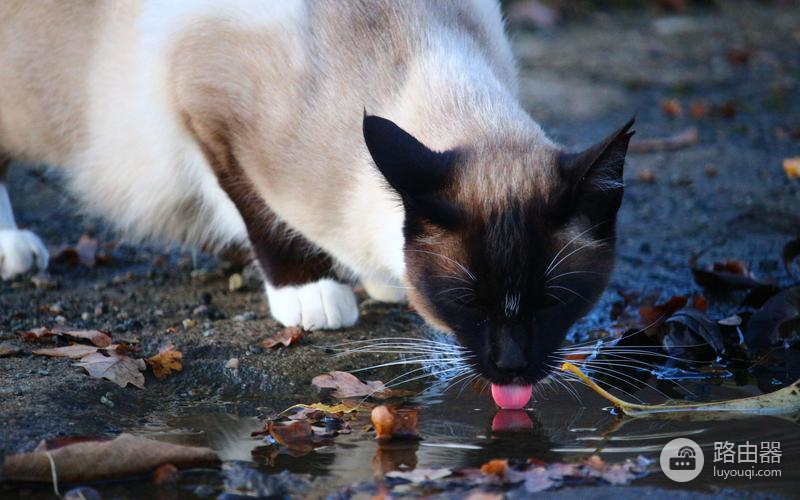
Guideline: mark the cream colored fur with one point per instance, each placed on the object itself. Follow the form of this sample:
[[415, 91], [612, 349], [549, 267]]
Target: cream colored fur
[[102, 90]]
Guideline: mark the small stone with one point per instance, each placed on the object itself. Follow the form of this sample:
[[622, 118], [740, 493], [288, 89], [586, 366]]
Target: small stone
[[232, 364], [100, 309], [122, 315], [189, 323], [43, 372], [199, 275], [647, 176], [61, 320], [82, 493], [209, 332], [106, 401], [85, 316], [44, 281], [255, 349], [235, 282], [55, 309], [245, 316]]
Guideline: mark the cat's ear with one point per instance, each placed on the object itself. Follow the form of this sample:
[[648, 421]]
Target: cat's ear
[[409, 166], [595, 175]]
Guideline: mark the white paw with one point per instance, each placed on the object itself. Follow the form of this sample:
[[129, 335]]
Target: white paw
[[322, 305], [385, 292], [21, 251]]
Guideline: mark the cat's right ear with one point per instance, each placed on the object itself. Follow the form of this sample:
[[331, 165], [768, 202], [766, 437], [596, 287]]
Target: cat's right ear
[[410, 167]]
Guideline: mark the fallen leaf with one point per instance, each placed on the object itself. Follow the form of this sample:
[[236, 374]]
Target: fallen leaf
[[35, 334], [690, 331], [658, 313], [776, 321], [86, 253], [285, 337], [392, 423], [699, 109], [124, 456], [74, 351], [96, 337], [167, 360], [118, 368], [496, 467], [341, 408], [346, 385], [785, 401], [298, 437], [723, 276], [672, 108], [420, 475]]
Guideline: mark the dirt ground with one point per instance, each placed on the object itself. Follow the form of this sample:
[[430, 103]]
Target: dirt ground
[[580, 80]]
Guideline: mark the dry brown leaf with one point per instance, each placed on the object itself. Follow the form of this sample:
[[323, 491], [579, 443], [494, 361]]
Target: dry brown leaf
[[390, 422], [167, 360], [35, 334], [118, 368], [285, 337], [496, 467], [74, 351], [96, 337], [124, 456], [346, 385]]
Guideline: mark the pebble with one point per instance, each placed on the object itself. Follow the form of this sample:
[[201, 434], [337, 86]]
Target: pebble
[[232, 364], [246, 316], [100, 309], [61, 320], [189, 323], [85, 316], [56, 309], [208, 332], [235, 282], [255, 349], [106, 401]]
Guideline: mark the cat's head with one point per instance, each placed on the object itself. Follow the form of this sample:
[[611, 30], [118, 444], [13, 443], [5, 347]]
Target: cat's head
[[506, 245]]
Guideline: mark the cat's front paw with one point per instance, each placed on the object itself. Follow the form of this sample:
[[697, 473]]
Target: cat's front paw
[[322, 305], [21, 252]]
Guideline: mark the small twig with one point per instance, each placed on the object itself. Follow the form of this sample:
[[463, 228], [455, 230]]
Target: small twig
[[688, 137]]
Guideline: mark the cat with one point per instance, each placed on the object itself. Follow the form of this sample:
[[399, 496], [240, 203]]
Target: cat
[[379, 141]]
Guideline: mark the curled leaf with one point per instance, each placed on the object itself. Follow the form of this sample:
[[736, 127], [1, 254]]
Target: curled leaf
[[391, 423], [167, 360], [285, 337]]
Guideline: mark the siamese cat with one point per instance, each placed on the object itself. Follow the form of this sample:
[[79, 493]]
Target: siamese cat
[[379, 141]]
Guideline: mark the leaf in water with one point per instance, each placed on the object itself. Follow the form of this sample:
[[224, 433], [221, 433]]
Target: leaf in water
[[392, 423], [74, 351], [777, 321], [420, 475], [167, 360], [341, 408], [116, 367], [124, 456], [497, 467], [298, 437], [784, 401], [285, 337]]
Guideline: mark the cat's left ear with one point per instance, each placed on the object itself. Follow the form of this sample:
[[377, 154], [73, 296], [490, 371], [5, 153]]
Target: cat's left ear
[[595, 175]]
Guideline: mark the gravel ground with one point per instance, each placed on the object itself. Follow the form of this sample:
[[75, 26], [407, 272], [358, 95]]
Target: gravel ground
[[580, 80]]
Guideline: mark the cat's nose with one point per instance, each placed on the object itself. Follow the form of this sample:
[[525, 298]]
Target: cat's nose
[[508, 354]]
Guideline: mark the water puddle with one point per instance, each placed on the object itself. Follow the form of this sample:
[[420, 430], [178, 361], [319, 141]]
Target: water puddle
[[463, 429]]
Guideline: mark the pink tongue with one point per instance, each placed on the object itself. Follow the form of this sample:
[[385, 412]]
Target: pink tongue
[[511, 397]]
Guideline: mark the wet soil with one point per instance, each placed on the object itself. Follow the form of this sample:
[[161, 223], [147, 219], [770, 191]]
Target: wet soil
[[581, 80]]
